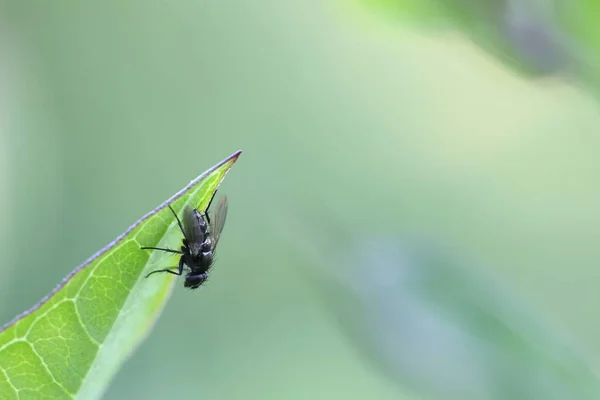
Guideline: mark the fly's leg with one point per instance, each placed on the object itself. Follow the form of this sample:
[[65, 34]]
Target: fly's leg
[[208, 207], [161, 249], [178, 222], [169, 250], [170, 270]]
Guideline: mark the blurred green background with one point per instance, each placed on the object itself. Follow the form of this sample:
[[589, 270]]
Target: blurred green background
[[108, 108]]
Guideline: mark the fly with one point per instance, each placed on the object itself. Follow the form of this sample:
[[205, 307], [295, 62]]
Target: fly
[[200, 239]]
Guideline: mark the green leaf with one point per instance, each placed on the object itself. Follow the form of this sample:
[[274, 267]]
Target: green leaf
[[72, 343]]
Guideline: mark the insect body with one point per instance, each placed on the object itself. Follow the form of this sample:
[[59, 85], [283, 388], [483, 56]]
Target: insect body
[[200, 239]]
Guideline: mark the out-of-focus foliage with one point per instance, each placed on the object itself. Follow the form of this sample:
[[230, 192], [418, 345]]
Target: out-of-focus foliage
[[446, 331], [534, 37]]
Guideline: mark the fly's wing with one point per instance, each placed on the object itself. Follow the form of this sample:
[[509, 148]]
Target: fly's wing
[[194, 226], [218, 220]]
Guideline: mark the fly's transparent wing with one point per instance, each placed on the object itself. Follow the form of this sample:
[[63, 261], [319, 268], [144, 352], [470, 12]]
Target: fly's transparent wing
[[218, 219], [195, 227]]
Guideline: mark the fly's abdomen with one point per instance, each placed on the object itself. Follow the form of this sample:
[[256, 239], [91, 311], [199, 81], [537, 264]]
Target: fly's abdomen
[[202, 223], [196, 230]]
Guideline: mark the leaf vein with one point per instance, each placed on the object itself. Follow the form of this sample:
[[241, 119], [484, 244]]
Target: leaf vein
[[9, 381], [43, 363]]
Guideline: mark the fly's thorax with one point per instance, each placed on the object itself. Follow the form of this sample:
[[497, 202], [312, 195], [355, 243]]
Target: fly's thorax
[[196, 249], [208, 257], [207, 245], [189, 260]]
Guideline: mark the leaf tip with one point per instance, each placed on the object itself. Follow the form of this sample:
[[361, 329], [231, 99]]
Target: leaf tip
[[235, 155]]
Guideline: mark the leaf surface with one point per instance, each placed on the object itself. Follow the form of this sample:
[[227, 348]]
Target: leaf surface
[[73, 342]]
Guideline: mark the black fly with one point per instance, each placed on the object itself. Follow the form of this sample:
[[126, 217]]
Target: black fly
[[200, 239]]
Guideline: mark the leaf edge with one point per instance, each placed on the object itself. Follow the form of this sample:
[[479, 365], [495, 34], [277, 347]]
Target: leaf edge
[[231, 158]]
